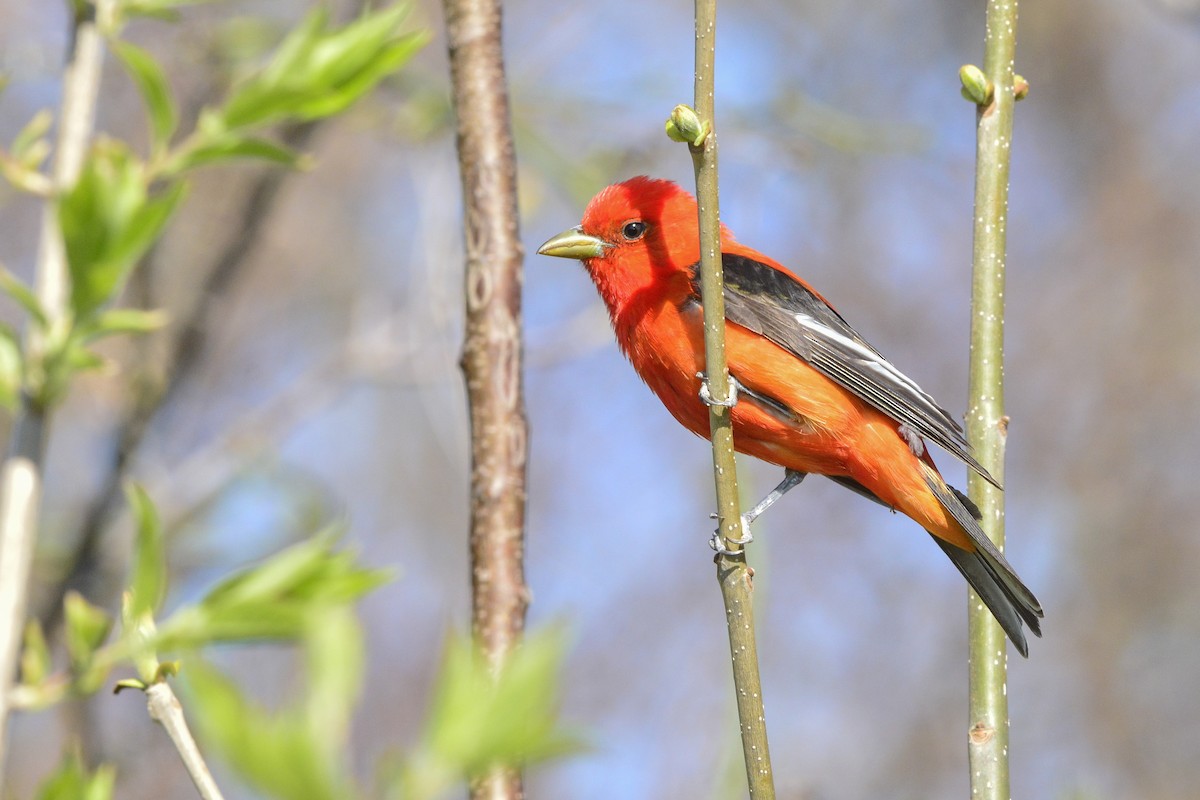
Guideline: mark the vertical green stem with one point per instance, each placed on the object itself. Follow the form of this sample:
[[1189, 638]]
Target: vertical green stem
[[986, 423], [736, 579]]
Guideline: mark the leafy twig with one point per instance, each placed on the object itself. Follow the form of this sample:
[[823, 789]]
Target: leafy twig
[[993, 91], [184, 351], [21, 474]]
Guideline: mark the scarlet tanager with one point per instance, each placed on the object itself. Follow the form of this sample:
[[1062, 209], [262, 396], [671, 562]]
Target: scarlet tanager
[[813, 395]]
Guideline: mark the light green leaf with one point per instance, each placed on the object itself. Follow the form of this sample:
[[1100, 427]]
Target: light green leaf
[[158, 9], [72, 782], [226, 147], [273, 600], [334, 656], [12, 367], [276, 754], [34, 132], [80, 359], [122, 321], [86, 628], [35, 655], [317, 71], [156, 92], [148, 585], [15, 288], [479, 721], [108, 221]]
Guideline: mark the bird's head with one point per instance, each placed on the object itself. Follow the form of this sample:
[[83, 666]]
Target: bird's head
[[637, 234]]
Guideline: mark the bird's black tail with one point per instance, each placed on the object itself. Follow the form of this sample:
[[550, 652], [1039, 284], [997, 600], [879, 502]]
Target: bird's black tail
[[986, 569]]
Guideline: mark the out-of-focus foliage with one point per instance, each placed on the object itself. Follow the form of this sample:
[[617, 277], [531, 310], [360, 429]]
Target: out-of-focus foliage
[[109, 219], [275, 600], [73, 781], [480, 720], [318, 71], [305, 594], [298, 752]]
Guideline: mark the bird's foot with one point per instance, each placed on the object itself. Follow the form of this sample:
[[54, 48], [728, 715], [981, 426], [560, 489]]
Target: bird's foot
[[706, 396], [720, 543]]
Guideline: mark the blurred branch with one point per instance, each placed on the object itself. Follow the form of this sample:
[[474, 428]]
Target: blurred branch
[[492, 350], [987, 426], [164, 709], [735, 578], [21, 475]]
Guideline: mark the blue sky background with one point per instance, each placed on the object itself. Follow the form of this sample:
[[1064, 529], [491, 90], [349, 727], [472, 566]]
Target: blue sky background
[[328, 388]]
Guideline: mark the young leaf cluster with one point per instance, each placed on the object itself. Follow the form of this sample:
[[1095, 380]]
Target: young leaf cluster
[[277, 599], [73, 781], [480, 720], [120, 204]]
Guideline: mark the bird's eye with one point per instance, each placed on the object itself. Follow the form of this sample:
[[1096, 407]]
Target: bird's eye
[[634, 230]]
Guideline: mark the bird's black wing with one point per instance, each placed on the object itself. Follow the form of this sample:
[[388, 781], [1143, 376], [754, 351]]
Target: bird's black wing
[[771, 303]]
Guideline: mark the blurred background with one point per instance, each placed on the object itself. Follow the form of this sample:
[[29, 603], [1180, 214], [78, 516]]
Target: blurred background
[[310, 374]]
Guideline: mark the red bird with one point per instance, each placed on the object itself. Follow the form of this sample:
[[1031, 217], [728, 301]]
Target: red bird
[[813, 395]]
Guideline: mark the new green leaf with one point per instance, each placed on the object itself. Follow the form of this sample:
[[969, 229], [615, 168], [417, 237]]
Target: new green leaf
[[278, 754], [334, 661], [109, 219], [31, 144], [72, 781], [220, 146], [15, 288], [86, 628], [35, 655], [274, 600], [122, 320], [156, 93], [12, 367], [148, 584], [480, 720], [318, 71]]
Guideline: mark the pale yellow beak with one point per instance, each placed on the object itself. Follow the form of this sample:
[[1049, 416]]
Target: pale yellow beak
[[573, 243]]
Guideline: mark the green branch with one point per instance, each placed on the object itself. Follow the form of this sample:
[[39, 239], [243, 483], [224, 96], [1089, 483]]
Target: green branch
[[993, 91], [696, 127]]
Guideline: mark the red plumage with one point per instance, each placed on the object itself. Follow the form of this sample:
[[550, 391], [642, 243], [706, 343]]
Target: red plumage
[[815, 396]]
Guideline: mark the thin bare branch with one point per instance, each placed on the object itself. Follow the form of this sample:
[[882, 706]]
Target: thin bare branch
[[164, 708]]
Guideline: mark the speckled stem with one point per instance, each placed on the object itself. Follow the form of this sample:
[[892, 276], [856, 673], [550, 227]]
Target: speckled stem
[[492, 350], [736, 579], [986, 424]]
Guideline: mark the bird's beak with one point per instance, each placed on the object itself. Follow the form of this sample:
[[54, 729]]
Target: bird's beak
[[573, 243]]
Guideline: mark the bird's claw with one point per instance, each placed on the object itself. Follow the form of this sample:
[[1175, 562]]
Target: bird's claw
[[718, 541], [706, 395]]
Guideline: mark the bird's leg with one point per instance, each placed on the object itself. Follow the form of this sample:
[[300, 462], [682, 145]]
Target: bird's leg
[[707, 398], [791, 479]]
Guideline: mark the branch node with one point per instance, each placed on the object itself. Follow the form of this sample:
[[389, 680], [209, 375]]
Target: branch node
[[981, 733]]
